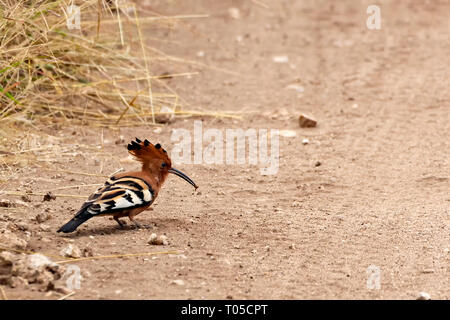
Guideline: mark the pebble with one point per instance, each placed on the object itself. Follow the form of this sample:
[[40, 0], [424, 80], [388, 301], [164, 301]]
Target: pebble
[[178, 282], [305, 141], [280, 59], [10, 240], [167, 115], [71, 251], [25, 198], [157, 130], [42, 217], [296, 87], [288, 133], [49, 196], [12, 204], [423, 296], [428, 271], [234, 13], [120, 140], [88, 252], [307, 121], [44, 227], [158, 240]]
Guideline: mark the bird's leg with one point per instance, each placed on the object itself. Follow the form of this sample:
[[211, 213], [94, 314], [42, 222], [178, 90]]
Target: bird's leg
[[137, 224], [121, 224]]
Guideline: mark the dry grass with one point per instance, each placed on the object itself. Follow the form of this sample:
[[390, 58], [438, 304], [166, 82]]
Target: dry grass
[[97, 75]]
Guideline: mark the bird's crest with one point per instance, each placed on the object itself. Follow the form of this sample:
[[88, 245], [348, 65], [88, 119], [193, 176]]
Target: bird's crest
[[146, 152]]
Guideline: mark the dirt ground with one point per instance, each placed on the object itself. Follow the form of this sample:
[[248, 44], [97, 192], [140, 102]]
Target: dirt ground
[[380, 196]]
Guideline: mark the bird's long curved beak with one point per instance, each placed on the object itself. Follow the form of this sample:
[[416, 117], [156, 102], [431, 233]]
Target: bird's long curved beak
[[183, 176]]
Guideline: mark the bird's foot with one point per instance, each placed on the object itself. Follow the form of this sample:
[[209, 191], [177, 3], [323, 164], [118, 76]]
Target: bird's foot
[[122, 224]]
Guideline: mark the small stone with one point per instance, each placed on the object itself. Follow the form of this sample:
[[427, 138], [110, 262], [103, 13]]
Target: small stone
[[42, 217], [305, 141], [423, 296], [280, 59], [49, 196], [166, 115], [10, 240], [88, 252], [71, 251], [120, 140], [306, 121], [22, 226], [234, 13], [157, 130], [5, 203], [292, 246], [12, 204], [317, 164], [178, 282], [17, 282], [158, 240], [287, 133], [25, 198], [296, 87], [37, 268], [44, 227], [428, 271]]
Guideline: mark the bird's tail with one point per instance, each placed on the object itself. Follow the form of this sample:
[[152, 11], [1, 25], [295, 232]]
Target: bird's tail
[[73, 224]]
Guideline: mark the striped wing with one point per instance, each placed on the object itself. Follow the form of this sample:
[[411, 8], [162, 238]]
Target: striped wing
[[119, 194]]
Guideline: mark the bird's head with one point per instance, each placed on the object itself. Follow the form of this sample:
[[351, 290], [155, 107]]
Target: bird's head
[[155, 160]]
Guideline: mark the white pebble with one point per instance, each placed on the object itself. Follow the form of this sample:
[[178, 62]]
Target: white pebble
[[280, 59], [288, 133], [234, 13], [296, 87], [178, 282], [423, 296]]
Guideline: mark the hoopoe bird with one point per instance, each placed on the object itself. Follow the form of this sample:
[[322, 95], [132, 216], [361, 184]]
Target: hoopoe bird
[[128, 194]]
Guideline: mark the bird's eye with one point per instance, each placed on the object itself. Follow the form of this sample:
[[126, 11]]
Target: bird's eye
[[163, 165]]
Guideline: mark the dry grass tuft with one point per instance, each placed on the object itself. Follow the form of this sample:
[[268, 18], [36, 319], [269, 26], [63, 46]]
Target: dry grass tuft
[[97, 75]]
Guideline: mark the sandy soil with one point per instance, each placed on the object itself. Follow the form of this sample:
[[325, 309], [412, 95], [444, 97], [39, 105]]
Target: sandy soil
[[380, 196]]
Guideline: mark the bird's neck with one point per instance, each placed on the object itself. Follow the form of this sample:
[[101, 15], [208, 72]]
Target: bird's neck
[[158, 177]]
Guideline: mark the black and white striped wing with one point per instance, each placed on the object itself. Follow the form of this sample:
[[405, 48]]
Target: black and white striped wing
[[119, 194]]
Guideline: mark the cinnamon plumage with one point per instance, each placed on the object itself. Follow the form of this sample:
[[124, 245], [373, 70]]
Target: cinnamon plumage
[[128, 194]]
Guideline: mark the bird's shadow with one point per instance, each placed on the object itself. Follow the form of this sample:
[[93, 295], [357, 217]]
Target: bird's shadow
[[116, 229]]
